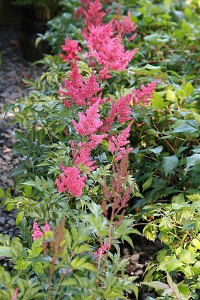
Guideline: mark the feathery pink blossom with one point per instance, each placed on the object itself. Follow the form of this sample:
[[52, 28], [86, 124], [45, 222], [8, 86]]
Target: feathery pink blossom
[[99, 253], [108, 49], [71, 181], [71, 47], [80, 90], [116, 144], [89, 121], [94, 14], [144, 95], [123, 24], [82, 153], [37, 233]]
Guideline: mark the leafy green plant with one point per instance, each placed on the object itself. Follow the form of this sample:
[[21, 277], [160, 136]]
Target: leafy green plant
[[156, 186]]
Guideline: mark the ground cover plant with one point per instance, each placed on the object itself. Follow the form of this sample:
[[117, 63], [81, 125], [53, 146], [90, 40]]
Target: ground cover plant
[[109, 141]]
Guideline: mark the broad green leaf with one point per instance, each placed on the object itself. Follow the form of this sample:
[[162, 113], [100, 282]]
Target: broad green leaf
[[6, 251], [186, 126], [187, 257], [171, 95], [157, 102], [192, 161], [165, 224], [147, 183], [187, 89], [194, 197], [170, 265], [169, 163], [180, 198]]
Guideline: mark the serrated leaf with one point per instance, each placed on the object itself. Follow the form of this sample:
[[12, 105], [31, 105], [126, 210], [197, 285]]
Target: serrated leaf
[[192, 161], [127, 239], [170, 265], [88, 266], [194, 197], [169, 163], [150, 231]]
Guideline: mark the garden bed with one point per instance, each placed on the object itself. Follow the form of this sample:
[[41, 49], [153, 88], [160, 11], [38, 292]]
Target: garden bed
[[108, 184]]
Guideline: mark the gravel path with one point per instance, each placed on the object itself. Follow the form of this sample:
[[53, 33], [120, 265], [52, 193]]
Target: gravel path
[[13, 69]]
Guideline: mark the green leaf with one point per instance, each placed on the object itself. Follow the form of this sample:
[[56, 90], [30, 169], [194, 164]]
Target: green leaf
[[6, 251], [2, 194], [186, 126], [169, 163], [192, 161], [170, 265], [150, 231], [156, 285], [194, 197], [147, 183], [167, 4], [69, 281], [153, 132], [88, 266], [180, 198], [171, 95], [187, 89], [157, 150], [157, 102], [187, 257], [127, 239], [19, 217]]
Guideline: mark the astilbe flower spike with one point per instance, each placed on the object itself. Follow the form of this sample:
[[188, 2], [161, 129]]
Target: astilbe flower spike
[[82, 153], [89, 122], [94, 14], [124, 25], [71, 181], [107, 49], [80, 90], [99, 253], [144, 95], [37, 233], [71, 47], [118, 195], [117, 144]]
